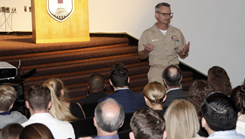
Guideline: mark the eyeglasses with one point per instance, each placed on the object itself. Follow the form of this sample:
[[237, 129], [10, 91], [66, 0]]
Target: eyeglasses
[[165, 14]]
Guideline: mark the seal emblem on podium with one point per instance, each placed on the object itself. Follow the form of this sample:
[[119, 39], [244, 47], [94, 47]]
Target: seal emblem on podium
[[60, 10]]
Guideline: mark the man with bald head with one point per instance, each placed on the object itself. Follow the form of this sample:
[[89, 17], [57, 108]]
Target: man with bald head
[[109, 117], [172, 79]]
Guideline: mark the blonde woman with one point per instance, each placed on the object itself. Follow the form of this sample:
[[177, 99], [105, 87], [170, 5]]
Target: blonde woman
[[60, 106], [155, 95], [181, 120]]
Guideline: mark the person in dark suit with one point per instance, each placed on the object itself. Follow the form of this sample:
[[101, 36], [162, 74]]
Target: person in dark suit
[[96, 86], [172, 79], [119, 80]]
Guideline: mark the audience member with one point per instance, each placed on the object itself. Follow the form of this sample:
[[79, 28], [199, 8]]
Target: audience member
[[155, 95], [119, 80], [38, 101], [36, 131], [60, 105], [96, 86], [219, 79], [7, 97], [197, 92], [172, 79], [147, 124], [238, 97], [109, 117], [219, 117], [181, 120], [11, 131]]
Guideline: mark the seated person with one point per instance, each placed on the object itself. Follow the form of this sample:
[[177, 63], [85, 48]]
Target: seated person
[[109, 117], [219, 80], [96, 86], [38, 101], [172, 77], [60, 106], [155, 95], [119, 80], [197, 92], [7, 97], [147, 123], [238, 97], [219, 117], [181, 120], [11, 131], [36, 131]]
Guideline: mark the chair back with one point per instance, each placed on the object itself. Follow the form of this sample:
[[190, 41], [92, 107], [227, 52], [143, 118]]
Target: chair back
[[89, 109], [126, 124], [84, 127]]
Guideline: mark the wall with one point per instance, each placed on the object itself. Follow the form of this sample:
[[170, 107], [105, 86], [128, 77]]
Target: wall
[[20, 21], [214, 28]]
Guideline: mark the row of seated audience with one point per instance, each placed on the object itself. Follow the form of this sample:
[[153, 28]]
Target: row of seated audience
[[171, 113], [32, 131]]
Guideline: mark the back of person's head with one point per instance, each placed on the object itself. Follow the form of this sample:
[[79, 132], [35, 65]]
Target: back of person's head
[[58, 88], [7, 97], [11, 131], [238, 97], [157, 7], [36, 131], [38, 97], [147, 123], [109, 115], [181, 120], [220, 80], [96, 82], [197, 92], [58, 110], [154, 92], [119, 75], [172, 76], [219, 111]]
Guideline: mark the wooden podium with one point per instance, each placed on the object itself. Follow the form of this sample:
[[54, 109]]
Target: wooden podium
[[46, 29]]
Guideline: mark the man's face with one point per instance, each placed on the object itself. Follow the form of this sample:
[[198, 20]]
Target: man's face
[[163, 19]]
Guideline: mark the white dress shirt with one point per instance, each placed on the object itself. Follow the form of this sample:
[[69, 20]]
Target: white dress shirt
[[59, 129]]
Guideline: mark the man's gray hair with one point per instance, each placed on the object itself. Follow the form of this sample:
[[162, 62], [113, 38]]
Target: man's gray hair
[[109, 124], [157, 7]]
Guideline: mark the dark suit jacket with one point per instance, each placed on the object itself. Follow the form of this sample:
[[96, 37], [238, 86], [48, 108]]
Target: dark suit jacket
[[88, 105], [175, 94], [129, 100], [92, 98]]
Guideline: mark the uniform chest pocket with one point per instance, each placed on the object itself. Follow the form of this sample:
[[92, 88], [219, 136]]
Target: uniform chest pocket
[[159, 48], [176, 41]]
